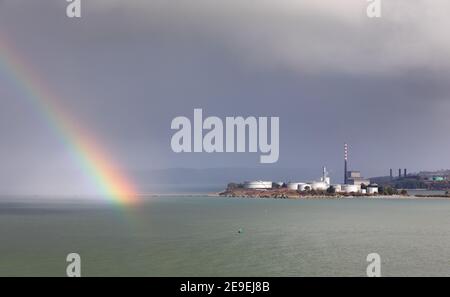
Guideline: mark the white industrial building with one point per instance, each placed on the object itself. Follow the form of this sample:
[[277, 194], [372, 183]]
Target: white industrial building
[[337, 188], [372, 189], [320, 186], [355, 178], [354, 186], [351, 189]]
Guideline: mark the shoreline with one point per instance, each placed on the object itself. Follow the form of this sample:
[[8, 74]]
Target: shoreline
[[297, 196], [324, 197], [293, 194]]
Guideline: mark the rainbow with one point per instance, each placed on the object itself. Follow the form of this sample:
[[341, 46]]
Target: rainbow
[[89, 155]]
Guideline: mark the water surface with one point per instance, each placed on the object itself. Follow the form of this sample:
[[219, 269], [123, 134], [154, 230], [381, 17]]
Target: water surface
[[198, 236]]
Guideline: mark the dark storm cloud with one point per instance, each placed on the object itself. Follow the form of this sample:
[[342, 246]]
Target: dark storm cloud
[[330, 73]]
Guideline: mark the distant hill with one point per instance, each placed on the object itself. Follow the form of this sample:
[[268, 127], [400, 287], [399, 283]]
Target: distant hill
[[433, 180]]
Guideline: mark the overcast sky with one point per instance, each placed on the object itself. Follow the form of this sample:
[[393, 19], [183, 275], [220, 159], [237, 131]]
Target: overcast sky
[[332, 75]]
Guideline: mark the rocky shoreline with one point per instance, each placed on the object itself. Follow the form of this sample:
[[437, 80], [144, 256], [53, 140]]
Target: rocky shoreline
[[291, 194]]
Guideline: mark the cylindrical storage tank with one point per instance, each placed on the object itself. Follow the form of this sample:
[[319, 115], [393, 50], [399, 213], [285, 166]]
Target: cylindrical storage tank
[[372, 189], [337, 188], [294, 186], [363, 191], [351, 188], [304, 187], [319, 186], [258, 185]]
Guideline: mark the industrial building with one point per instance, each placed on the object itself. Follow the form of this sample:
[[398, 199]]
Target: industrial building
[[353, 182], [372, 189], [325, 183], [355, 178], [351, 188]]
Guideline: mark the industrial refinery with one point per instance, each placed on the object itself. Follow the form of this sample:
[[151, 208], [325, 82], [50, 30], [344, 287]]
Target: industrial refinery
[[353, 183]]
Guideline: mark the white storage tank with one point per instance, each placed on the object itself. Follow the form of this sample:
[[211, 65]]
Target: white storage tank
[[337, 188], [258, 185], [372, 189], [295, 186], [304, 187], [319, 186], [351, 188]]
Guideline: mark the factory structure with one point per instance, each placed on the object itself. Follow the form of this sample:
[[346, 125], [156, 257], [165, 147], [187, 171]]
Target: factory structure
[[430, 180], [353, 182]]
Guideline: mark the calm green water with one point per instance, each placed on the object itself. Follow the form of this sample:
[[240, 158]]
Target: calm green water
[[178, 236]]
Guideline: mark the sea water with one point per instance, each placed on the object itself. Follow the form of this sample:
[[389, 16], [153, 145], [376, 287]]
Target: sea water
[[212, 236]]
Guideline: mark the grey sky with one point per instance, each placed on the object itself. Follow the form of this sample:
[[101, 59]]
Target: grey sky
[[332, 75]]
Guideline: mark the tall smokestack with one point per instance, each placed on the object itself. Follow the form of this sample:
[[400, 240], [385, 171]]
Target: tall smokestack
[[390, 174], [404, 172], [399, 172], [345, 162]]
